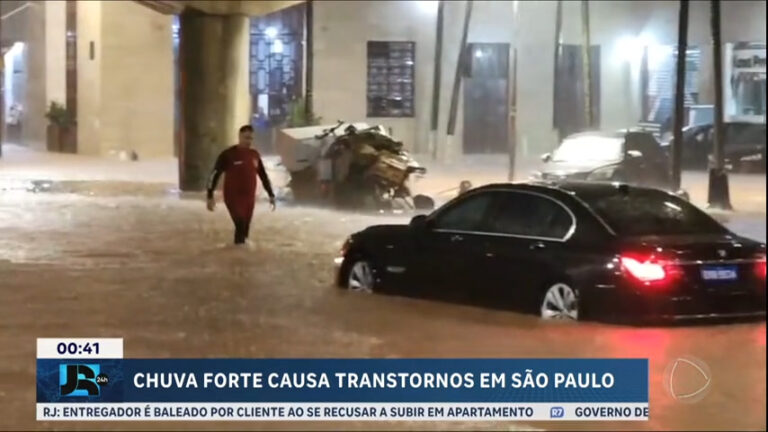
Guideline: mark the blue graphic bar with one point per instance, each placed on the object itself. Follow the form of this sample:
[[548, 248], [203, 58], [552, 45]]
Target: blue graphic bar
[[343, 380]]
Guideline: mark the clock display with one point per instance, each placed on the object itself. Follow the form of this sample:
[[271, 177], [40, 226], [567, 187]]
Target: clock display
[[73, 348]]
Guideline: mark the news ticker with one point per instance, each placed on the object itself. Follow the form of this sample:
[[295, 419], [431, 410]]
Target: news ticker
[[87, 379], [342, 411]]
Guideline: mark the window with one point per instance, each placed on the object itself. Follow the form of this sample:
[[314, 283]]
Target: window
[[750, 94], [467, 214], [745, 72], [531, 215], [276, 64], [644, 143], [651, 212], [390, 79]]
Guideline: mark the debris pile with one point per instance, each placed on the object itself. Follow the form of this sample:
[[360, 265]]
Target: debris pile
[[360, 167]]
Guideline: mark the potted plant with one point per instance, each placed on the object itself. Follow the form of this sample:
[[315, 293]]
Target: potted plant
[[298, 116], [60, 130]]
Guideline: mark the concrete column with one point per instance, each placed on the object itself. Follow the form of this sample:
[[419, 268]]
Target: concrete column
[[55, 51], [34, 122], [89, 78], [136, 80], [215, 96]]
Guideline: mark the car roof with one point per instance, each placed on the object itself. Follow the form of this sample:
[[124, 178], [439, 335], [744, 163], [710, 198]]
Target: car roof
[[608, 134], [731, 123], [582, 191], [621, 133], [578, 188]]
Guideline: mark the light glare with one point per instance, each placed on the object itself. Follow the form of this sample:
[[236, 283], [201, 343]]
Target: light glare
[[429, 6]]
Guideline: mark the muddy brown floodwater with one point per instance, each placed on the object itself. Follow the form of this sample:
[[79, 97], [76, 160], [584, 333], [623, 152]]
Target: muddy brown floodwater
[[156, 270]]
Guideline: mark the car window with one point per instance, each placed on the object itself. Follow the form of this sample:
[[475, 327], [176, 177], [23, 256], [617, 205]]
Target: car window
[[527, 214], [644, 143], [640, 212], [467, 214], [589, 148]]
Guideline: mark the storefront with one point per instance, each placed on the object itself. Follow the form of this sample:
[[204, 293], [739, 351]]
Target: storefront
[[744, 82]]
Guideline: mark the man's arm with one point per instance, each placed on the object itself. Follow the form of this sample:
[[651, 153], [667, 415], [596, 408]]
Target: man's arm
[[265, 179], [213, 178]]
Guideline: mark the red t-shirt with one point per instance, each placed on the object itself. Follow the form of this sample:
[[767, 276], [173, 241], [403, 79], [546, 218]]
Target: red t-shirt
[[240, 166]]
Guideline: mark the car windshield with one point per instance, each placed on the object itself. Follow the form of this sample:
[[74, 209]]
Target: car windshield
[[589, 148], [651, 212]]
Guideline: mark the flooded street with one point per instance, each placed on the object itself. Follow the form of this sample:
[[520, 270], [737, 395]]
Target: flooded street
[[110, 249], [157, 270], [592, 150]]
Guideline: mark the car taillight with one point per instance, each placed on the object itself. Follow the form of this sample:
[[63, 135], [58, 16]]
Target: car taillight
[[760, 268], [647, 269]]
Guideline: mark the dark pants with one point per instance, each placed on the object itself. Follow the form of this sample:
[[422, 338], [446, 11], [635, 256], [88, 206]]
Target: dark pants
[[241, 211], [242, 226]]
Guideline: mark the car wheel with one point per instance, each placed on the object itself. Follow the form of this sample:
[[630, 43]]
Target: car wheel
[[560, 302], [360, 278]]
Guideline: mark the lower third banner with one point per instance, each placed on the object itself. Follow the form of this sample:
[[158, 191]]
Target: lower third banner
[[342, 389]]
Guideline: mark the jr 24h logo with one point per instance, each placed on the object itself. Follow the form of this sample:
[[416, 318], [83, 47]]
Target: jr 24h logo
[[81, 379]]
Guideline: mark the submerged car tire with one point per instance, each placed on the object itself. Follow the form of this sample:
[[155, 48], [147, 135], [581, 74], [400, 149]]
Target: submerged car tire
[[360, 277], [559, 302]]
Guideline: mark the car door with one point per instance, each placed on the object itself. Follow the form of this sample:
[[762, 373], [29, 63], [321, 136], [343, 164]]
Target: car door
[[447, 250], [526, 250], [744, 143], [650, 167], [696, 147], [657, 163]]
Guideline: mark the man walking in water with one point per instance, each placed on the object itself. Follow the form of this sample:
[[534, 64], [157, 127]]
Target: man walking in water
[[240, 165]]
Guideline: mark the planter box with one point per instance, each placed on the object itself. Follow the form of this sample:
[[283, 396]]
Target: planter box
[[68, 139], [53, 138], [61, 139]]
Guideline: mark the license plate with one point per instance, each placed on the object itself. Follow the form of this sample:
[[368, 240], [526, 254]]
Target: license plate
[[719, 273]]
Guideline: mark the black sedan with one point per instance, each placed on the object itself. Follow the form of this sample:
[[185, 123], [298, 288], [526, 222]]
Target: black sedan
[[634, 157], [564, 251], [744, 146]]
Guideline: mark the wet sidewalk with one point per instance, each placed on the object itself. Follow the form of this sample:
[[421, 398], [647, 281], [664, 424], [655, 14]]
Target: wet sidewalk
[[748, 191], [22, 170]]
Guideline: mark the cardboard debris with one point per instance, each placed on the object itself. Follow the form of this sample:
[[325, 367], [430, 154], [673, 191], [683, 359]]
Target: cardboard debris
[[346, 164]]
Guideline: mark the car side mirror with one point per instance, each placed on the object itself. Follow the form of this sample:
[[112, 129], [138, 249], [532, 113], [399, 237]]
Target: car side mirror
[[546, 157], [418, 223], [423, 203], [634, 154]]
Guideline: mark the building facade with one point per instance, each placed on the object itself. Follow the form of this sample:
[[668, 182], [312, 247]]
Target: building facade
[[118, 56], [627, 37], [373, 61]]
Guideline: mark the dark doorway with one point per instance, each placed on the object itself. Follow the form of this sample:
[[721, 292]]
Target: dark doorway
[[71, 73], [486, 98], [569, 112]]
